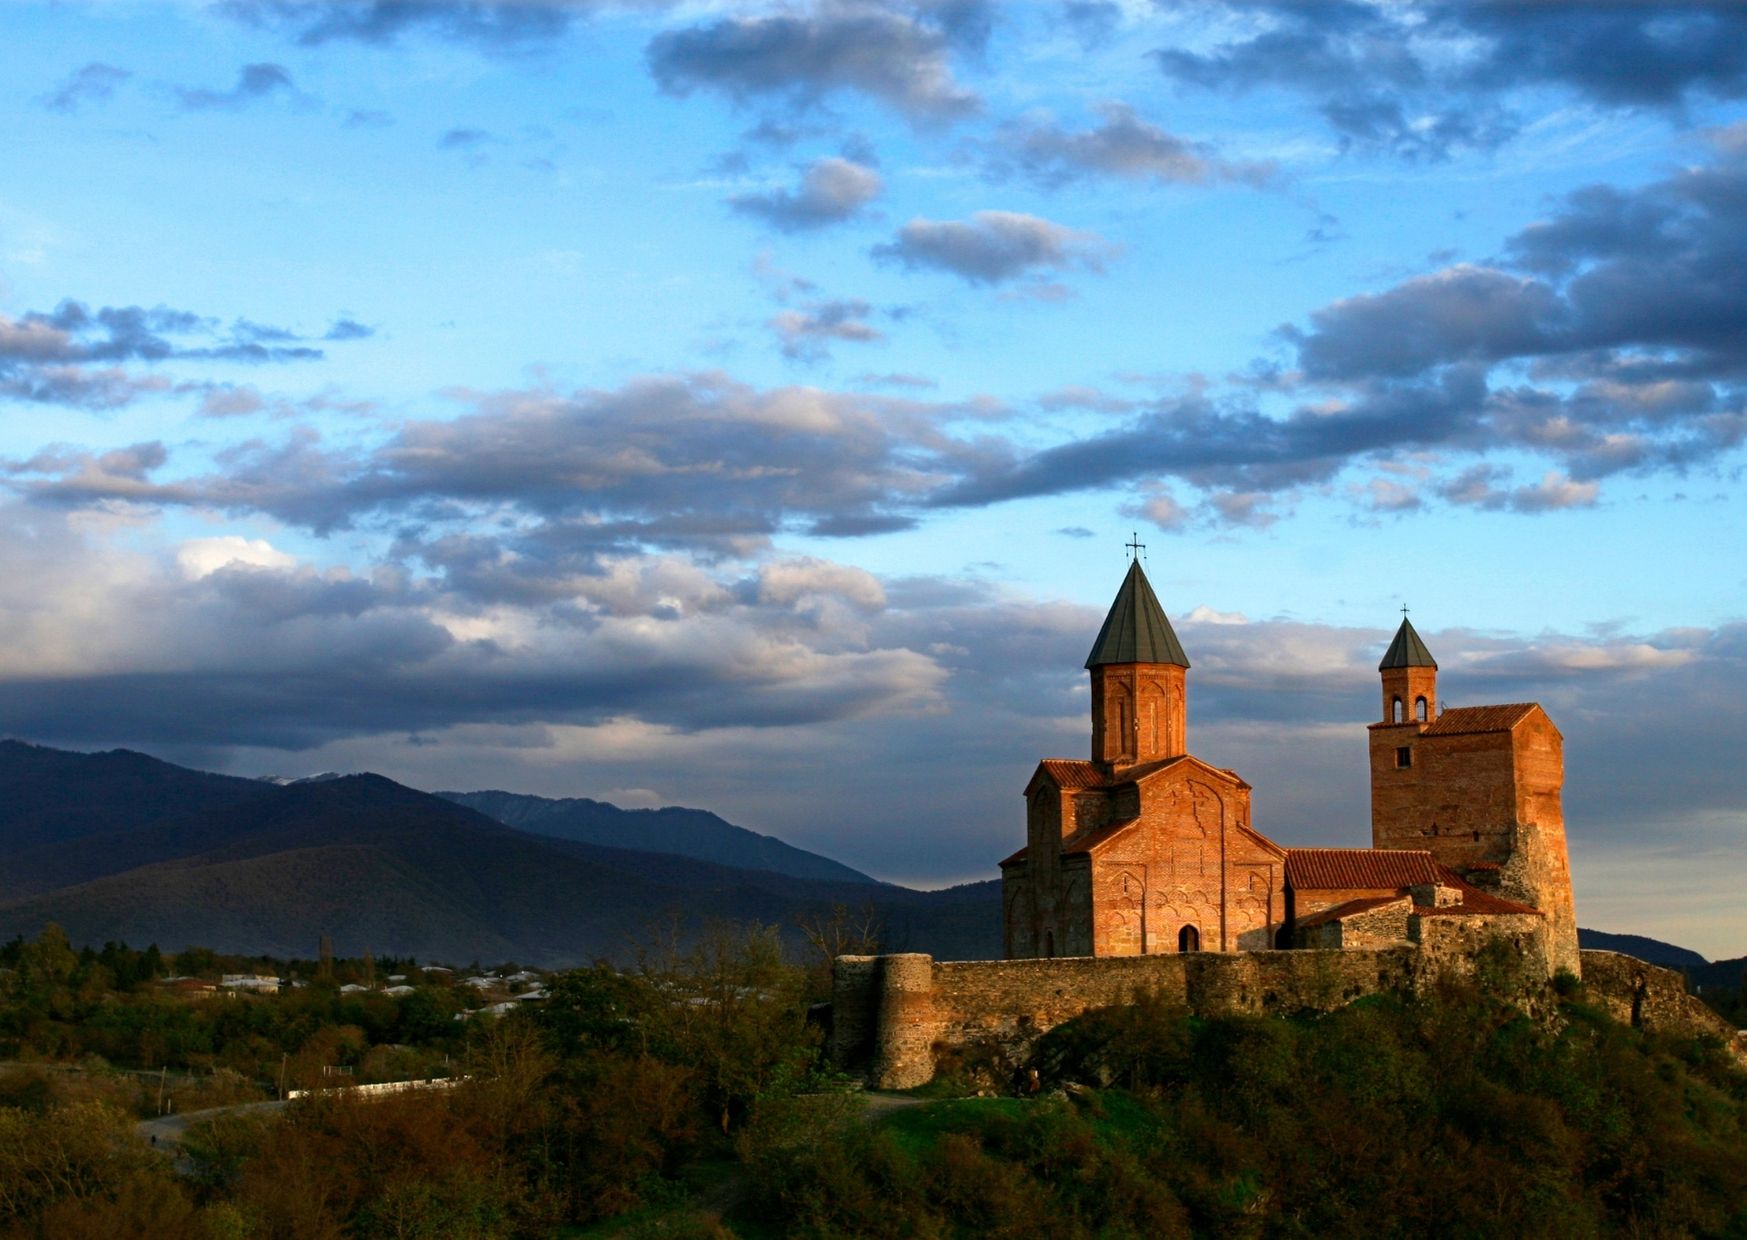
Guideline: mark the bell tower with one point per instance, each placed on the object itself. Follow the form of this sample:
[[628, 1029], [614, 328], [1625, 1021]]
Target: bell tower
[[1138, 672], [1410, 678]]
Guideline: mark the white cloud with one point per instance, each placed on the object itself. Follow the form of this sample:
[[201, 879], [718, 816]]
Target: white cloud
[[201, 557]]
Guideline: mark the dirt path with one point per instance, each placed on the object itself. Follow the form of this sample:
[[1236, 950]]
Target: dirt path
[[165, 1133]]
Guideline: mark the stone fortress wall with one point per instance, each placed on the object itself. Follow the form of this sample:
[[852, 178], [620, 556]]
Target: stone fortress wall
[[892, 1016]]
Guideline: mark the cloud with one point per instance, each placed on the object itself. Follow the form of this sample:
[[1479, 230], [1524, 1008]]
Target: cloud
[[381, 23], [1422, 81], [1122, 146], [752, 688], [993, 247], [202, 557], [807, 333], [234, 642], [72, 355], [464, 140], [1477, 488], [831, 190], [348, 329], [95, 83], [896, 54], [1462, 313], [254, 82]]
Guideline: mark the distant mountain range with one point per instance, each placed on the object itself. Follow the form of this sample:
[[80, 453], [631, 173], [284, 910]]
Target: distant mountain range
[[120, 845], [693, 833]]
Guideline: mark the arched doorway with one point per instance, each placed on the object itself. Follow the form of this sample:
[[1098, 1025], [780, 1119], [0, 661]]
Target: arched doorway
[[1049, 943], [1188, 939]]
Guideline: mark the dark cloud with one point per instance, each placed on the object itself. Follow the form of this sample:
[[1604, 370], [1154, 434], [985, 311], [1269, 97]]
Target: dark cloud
[[831, 190], [993, 247], [807, 332], [1122, 145], [348, 329], [1622, 284], [464, 139], [897, 54], [254, 82], [1625, 55], [1423, 80], [700, 462], [488, 23], [95, 83], [1093, 22], [72, 355]]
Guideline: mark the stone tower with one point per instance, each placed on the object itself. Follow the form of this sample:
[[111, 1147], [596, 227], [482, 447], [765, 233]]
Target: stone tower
[[1138, 671], [1480, 787]]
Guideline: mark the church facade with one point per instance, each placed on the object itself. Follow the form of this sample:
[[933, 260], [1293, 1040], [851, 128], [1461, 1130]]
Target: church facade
[[1145, 849]]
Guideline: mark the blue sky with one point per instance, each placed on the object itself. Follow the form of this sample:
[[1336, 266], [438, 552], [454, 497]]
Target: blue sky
[[745, 405]]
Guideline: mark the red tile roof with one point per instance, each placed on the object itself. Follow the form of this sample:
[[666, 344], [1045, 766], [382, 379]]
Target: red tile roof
[[1358, 868], [1466, 720], [1134, 774], [1474, 901], [1346, 910], [1016, 857], [1086, 841], [1072, 773]]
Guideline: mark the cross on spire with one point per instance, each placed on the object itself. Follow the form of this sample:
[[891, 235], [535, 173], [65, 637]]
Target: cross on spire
[[1135, 545], [1404, 611]]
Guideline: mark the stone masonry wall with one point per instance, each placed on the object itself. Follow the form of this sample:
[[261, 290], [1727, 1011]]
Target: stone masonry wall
[[891, 1014], [1648, 997], [917, 1003]]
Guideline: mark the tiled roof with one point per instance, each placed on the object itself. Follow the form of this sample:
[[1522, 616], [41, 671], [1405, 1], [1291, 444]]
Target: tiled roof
[[1136, 630], [1072, 773], [1407, 650], [1086, 841], [1474, 900], [1360, 868], [1346, 910], [1466, 720], [1016, 857], [1134, 774]]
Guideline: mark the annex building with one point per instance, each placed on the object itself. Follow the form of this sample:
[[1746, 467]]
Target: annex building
[[1145, 849]]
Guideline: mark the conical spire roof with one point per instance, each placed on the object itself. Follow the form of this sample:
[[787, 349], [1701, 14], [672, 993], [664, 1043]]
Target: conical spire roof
[[1136, 630], [1407, 650]]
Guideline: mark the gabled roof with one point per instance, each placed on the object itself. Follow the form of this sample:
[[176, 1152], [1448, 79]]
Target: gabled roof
[[1086, 841], [1475, 902], [1466, 720], [1070, 774], [1340, 869], [1349, 909], [1136, 630], [1407, 650]]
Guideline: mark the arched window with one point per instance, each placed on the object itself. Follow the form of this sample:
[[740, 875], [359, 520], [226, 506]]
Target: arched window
[[1419, 709], [1188, 939], [1395, 711]]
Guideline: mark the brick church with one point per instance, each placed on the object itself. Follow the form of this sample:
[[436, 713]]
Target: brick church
[[1146, 848]]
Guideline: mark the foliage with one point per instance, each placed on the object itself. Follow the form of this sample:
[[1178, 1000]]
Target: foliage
[[685, 1099], [1452, 1113]]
